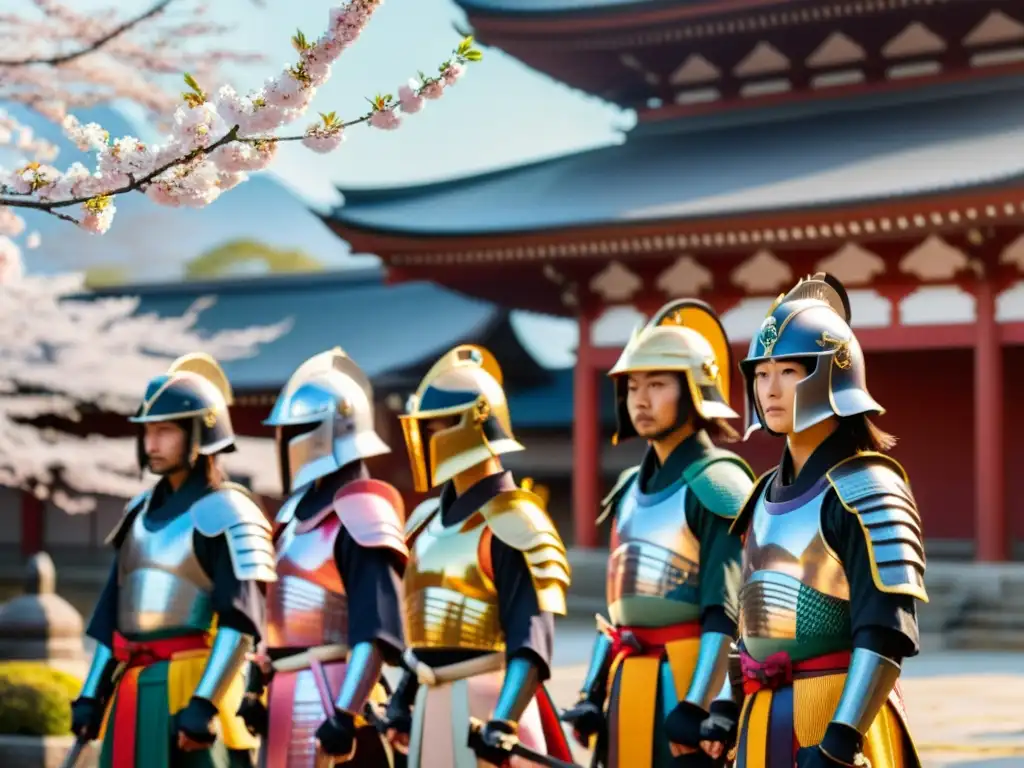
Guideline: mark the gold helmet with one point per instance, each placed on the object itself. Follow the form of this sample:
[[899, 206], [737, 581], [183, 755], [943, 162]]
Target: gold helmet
[[465, 383], [196, 391], [685, 336]]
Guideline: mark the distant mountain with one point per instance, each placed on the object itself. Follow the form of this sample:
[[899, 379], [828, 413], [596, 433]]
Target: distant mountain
[[153, 242]]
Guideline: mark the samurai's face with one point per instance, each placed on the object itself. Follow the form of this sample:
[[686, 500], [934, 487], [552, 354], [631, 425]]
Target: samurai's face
[[164, 443], [652, 399], [775, 387]]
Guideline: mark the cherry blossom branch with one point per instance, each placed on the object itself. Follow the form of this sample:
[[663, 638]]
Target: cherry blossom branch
[[192, 168], [91, 47]]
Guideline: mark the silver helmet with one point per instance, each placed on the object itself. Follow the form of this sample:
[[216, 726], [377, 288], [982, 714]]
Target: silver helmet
[[812, 323], [324, 419]]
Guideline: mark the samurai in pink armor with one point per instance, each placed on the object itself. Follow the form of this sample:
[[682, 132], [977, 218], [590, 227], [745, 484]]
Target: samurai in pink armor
[[334, 615]]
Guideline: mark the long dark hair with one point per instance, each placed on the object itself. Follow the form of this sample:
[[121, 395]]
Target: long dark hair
[[865, 435]]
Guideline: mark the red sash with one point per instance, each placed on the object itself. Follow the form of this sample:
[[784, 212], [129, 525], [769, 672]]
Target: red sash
[[138, 655], [649, 641], [779, 671]]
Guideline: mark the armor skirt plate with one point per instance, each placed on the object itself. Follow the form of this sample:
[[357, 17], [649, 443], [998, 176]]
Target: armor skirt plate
[[296, 712], [441, 715], [773, 721]]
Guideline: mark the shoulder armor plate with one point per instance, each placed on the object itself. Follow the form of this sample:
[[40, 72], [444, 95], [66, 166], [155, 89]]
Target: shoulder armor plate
[[518, 519], [609, 502], [231, 511], [133, 507], [721, 483], [372, 512], [876, 489], [420, 516], [742, 520]]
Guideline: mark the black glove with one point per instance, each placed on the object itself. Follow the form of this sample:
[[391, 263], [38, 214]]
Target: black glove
[[841, 746], [486, 744], [254, 714], [86, 717], [721, 724], [196, 721], [337, 735], [398, 716], [586, 719], [682, 726]]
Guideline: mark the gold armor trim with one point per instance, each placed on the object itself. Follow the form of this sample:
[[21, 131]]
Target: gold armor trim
[[876, 489], [517, 517], [473, 373], [231, 511], [208, 374]]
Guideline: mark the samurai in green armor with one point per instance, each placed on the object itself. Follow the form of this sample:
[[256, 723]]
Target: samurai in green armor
[[183, 607], [661, 659], [833, 559]]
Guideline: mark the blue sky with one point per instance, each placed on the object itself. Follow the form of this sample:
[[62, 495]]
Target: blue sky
[[501, 114]]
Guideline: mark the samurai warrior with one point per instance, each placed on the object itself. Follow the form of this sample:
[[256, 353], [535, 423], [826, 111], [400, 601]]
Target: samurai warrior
[[659, 667], [487, 573], [184, 603], [334, 614], [833, 560]]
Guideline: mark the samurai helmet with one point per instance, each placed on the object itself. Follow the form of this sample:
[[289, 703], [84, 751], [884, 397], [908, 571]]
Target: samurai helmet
[[465, 383], [324, 419], [195, 391], [812, 323], [686, 337]]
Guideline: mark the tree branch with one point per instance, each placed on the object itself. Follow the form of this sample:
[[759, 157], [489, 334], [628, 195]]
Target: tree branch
[[134, 184], [93, 46]]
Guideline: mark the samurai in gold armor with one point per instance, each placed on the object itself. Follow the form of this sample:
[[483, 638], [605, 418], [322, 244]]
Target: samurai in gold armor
[[661, 662], [833, 560], [334, 614], [487, 573], [184, 604]]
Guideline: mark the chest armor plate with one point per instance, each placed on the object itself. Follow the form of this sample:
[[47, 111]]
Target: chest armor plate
[[307, 606], [450, 602], [795, 596], [161, 585], [654, 571]]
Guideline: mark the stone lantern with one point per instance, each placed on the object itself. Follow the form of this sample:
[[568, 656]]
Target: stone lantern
[[40, 625]]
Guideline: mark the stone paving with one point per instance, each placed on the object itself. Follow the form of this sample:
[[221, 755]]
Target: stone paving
[[966, 708]]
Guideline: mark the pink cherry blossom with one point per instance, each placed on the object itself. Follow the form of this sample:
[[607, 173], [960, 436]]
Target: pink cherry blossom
[[452, 73], [385, 119], [33, 240], [96, 219], [432, 90], [410, 101], [11, 224], [11, 267], [323, 141]]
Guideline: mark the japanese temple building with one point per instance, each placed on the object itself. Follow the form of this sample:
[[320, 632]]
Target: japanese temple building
[[880, 140]]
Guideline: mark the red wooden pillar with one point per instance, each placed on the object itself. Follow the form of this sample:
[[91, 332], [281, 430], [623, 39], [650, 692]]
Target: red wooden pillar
[[586, 440], [991, 530], [32, 521]]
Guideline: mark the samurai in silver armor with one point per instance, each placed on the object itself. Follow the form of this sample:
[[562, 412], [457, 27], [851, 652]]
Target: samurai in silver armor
[[184, 604], [660, 663], [334, 614], [833, 560]]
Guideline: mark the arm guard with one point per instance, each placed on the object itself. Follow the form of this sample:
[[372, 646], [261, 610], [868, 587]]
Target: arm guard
[[711, 671], [361, 674], [517, 690], [875, 489], [868, 684], [595, 684], [722, 483], [230, 511], [101, 674], [227, 660], [518, 519]]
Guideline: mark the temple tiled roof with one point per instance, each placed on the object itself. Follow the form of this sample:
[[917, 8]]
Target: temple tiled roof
[[858, 152]]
